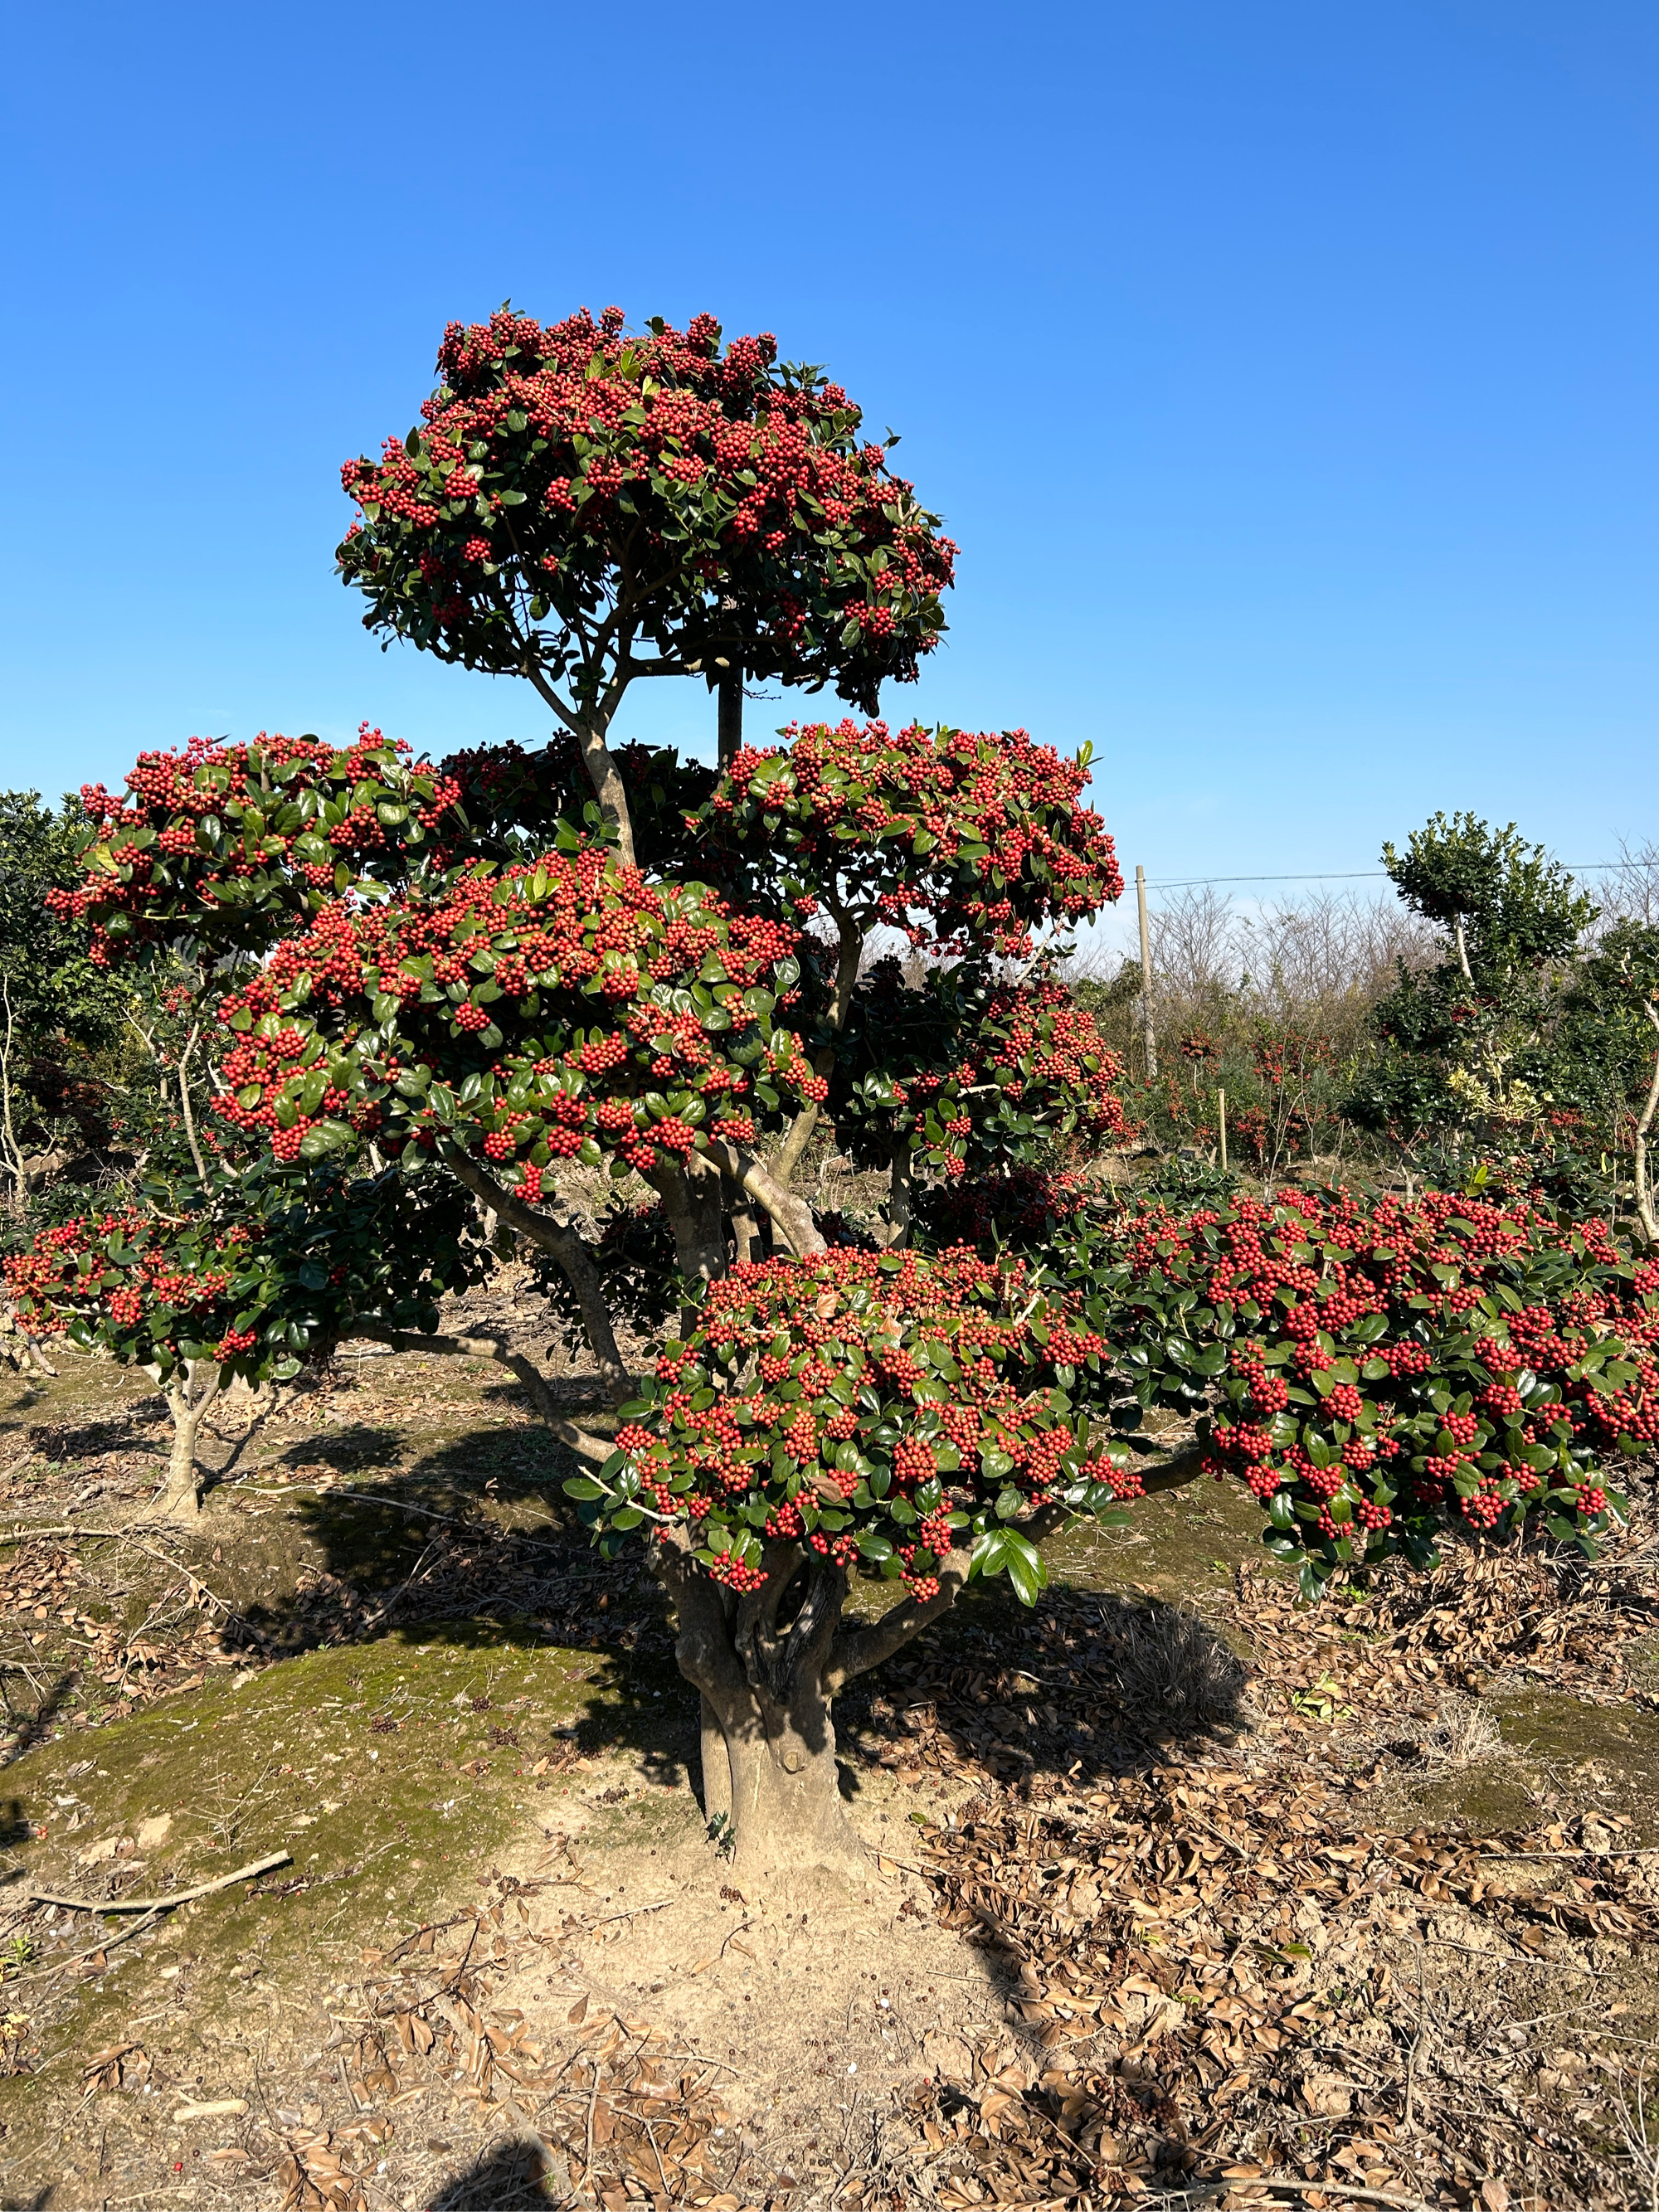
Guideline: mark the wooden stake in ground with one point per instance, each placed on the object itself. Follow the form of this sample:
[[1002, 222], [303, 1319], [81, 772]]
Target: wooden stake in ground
[[1221, 1126], [1148, 1032]]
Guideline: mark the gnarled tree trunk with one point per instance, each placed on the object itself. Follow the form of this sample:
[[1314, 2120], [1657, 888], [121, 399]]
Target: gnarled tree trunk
[[769, 1664]]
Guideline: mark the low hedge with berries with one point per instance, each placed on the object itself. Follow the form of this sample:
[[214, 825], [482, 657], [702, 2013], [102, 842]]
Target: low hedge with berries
[[1376, 1371], [881, 1409]]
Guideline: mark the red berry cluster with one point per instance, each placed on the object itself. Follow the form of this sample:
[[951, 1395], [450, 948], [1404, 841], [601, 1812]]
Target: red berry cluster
[[949, 835], [888, 1406]]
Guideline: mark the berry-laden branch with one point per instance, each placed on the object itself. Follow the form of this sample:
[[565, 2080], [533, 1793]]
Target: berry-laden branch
[[565, 1010], [246, 1280], [233, 845]]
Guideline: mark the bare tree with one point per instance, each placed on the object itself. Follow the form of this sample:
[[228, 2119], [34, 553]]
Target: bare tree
[[1629, 892]]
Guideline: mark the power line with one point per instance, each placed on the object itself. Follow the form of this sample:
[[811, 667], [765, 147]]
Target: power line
[[1352, 876]]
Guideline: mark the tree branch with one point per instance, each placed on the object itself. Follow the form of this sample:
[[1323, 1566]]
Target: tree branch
[[7, 1134], [569, 1248], [184, 1100], [848, 960], [901, 1198], [496, 1348], [855, 1650], [792, 1216], [703, 1643]]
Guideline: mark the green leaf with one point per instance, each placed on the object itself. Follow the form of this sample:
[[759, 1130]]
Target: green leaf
[[325, 1137], [988, 1554], [1026, 1570]]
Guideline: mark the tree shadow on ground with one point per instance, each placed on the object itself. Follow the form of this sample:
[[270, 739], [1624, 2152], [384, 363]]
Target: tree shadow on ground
[[1088, 1684], [359, 1445], [130, 1429], [507, 2178]]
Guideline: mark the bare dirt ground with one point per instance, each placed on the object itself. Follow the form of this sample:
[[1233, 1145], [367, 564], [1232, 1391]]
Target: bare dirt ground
[[1179, 1891]]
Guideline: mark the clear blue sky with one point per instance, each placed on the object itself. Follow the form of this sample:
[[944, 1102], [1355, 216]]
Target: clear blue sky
[[1286, 372]]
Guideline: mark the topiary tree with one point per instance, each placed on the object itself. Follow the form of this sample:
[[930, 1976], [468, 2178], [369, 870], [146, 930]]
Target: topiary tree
[[477, 1021], [482, 976]]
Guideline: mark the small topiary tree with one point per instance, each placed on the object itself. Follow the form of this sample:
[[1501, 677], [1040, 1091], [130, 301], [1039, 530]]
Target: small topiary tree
[[247, 1281]]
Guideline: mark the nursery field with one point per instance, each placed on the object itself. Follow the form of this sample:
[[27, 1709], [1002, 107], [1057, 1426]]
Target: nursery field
[[1180, 1891]]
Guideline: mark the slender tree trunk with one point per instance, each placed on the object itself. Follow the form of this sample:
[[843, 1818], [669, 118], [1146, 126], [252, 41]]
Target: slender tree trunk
[[13, 1157], [570, 1252], [1462, 951], [901, 1200], [183, 1101], [182, 1498], [609, 789], [694, 1202]]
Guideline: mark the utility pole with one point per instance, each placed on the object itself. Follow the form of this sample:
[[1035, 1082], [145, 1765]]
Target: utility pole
[[730, 695], [1147, 978]]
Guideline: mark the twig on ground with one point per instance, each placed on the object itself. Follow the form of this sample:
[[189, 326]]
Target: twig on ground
[[164, 1904], [634, 1912], [104, 1943]]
